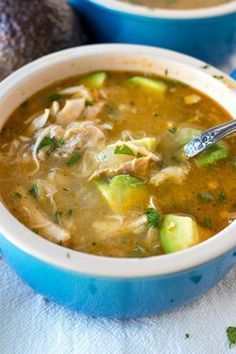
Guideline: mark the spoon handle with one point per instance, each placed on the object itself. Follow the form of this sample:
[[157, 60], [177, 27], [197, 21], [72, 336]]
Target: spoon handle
[[209, 137]]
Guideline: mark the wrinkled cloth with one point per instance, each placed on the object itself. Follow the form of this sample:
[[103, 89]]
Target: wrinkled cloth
[[29, 324]]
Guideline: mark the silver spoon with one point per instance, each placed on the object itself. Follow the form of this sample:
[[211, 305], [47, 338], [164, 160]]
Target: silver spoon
[[209, 137]]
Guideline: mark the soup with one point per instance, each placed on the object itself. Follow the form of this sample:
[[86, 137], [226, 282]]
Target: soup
[[96, 164], [177, 4]]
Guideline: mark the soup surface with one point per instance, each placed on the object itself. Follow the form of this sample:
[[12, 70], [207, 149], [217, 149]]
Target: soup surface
[[177, 4], [95, 163]]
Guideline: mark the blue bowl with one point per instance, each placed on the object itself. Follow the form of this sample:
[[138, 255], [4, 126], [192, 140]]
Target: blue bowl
[[103, 286], [208, 34]]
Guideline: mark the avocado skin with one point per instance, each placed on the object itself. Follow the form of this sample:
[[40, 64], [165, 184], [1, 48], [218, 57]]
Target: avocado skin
[[32, 28]]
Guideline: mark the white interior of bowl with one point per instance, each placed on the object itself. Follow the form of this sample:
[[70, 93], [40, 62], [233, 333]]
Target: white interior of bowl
[[129, 8], [43, 72]]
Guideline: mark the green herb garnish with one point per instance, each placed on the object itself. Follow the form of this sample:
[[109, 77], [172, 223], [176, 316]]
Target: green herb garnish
[[123, 150], [74, 158], [69, 212], [34, 191], [207, 223], [172, 130], [55, 97], [57, 217], [231, 333], [18, 195], [88, 102], [35, 230], [222, 198], [205, 197], [50, 143], [187, 335], [153, 218]]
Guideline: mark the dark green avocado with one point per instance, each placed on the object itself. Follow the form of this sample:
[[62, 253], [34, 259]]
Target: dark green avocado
[[32, 28]]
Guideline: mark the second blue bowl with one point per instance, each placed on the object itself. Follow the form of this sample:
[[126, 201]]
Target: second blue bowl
[[208, 34]]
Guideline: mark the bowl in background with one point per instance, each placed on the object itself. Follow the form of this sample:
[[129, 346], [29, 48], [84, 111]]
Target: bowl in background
[[208, 34], [103, 286]]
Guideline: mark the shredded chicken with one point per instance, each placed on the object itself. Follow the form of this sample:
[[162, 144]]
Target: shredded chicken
[[48, 190], [71, 111], [76, 91], [40, 121], [118, 225], [39, 220], [137, 166], [91, 112], [175, 174], [81, 135]]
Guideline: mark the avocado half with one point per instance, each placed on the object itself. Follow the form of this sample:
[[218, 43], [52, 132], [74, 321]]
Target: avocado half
[[30, 29]]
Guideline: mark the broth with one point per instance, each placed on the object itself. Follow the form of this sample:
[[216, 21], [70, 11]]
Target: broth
[[95, 163], [177, 4]]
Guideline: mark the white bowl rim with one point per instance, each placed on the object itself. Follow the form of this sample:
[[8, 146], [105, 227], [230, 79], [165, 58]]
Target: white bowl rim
[[67, 259], [142, 11]]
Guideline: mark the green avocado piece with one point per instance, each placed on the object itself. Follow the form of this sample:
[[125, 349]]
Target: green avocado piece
[[150, 84], [94, 80], [178, 233], [184, 135], [123, 193], [31, 29], [213, 154], [148, 143]]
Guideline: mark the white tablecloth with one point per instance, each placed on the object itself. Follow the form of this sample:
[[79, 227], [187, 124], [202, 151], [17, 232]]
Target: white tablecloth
[[31, 325]]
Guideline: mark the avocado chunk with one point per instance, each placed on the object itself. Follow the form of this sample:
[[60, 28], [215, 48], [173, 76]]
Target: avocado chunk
[[184, 135], [213, 154], [149, 84], [123, 193], [95, 80], [31, 29], [148, 143], [178, 233]]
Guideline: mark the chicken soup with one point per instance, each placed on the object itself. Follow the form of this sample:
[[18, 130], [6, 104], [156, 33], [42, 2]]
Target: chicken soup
[[96, 163]]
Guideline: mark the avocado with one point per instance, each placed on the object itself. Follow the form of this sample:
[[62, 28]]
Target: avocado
[[178, 233], [149, 84], [213, 154], [95, 80], [123, 193], [31, 29]]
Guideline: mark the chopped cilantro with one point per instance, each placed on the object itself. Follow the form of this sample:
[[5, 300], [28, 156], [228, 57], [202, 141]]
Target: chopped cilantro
[[123, 150], [138, 251], [88, 102], [175, 159], [61, 141], [172, 130], [205, 197], [153, 218], [18, 195], [34, 191], [156, 114], [57, 217], [69, 212], [222, 198], [206, 66], [74, 158], [55, 97], [207, 223], [65, 189], [50, 143], [231, 333], [35, 230]]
